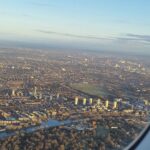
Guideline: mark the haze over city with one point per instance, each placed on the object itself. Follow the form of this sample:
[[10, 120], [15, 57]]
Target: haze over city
[[83, 24]]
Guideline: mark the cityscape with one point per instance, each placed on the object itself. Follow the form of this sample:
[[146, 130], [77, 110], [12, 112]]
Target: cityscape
[[74, 75], [71, 100]]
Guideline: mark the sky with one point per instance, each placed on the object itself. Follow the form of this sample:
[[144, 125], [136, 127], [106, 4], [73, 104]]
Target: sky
[[120, 25]]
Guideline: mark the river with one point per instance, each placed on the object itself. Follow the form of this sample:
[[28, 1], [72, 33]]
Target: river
[[43, 125]]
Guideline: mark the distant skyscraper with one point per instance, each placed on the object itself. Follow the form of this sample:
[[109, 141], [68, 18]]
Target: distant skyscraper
[[145, 102], [98, 102], [13, 92], [76, 100], [40, 96], [106, 103], [57, 95], [84, 101], [115, 105], [35, 91], [91, 101]]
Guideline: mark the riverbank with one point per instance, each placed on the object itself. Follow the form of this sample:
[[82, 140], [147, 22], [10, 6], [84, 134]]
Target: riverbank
[[43, 125]]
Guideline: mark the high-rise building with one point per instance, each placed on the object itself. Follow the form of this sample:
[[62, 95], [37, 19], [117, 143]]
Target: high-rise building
[[145, 102], [115, 105], [106, 103], [57, 95], [13, 92], [91, 101], [84, 101], [35, 91], [98, 102], [40, 96], [76, 100]]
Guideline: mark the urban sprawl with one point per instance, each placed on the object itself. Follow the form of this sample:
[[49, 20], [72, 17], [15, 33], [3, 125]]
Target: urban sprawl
[[67, 100]]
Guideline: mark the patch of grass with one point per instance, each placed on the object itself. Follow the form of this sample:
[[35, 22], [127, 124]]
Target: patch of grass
[[89, 88]]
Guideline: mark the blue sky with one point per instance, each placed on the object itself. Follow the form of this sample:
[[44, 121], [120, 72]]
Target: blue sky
[[101, 24]]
